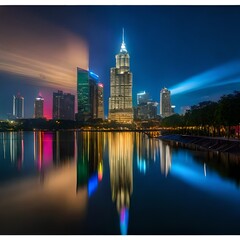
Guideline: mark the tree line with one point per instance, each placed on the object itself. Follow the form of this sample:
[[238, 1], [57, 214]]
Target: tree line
[[208, 118]]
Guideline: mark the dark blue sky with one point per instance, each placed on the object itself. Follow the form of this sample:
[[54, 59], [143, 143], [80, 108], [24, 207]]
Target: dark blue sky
[[167, 44]]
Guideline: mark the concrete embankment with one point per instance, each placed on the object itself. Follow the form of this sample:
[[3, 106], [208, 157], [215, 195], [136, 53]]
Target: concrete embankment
[[206, 143]]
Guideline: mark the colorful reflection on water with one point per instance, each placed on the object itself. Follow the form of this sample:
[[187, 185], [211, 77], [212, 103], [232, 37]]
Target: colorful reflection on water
[[70, 182]]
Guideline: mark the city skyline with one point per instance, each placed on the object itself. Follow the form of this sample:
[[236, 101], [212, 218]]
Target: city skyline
[[191, 58]]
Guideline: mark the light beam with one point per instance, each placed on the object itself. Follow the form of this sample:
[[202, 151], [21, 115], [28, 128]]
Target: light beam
[[225, 74]]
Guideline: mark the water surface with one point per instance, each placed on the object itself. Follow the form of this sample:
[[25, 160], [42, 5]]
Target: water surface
[[70, 182]]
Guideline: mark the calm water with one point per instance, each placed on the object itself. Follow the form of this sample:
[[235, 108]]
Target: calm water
[[113, 183]]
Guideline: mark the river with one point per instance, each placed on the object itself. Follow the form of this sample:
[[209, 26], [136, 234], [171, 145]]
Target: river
[[71, 182]]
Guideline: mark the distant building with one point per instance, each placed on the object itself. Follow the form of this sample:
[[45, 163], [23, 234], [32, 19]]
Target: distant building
[[63, 105], [146, 108], [120, 100], [90, 96], [18, 106], [100, 105], [142, 98], [165, 103], [147, 111], [38, 107], [152, 109]]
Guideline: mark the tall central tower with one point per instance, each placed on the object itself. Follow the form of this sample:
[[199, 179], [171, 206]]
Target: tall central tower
[[120, 101]]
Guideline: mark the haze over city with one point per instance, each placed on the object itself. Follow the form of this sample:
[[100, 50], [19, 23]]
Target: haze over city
[[193, 51]]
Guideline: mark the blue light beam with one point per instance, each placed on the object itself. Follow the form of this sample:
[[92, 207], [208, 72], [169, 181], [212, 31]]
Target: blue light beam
[[219, 76]]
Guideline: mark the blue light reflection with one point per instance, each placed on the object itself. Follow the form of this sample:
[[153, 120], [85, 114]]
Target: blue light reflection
[[92, 184]]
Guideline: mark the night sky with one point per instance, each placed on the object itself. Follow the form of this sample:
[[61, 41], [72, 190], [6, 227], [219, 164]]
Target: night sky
[[194, 51]]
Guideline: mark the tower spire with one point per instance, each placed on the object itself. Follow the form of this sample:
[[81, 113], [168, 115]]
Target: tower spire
[[123, 46]]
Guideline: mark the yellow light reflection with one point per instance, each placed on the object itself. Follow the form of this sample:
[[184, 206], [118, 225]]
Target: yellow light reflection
[[121, 167]]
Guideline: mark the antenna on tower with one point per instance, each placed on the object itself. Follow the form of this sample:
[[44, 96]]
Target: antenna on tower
[[123, 47]]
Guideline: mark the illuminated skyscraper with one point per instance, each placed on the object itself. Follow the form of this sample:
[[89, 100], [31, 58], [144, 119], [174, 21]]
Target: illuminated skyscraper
[[100, 106], [165, 103], [63, 106], [90, 95], [38, 107], [120, 101], [18, 106]]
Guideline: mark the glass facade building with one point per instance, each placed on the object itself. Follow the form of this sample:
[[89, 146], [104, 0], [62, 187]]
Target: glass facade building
[[165, 103], [142, 98], [146, 108], [83, 94], [38, 107], [90, 95], [18, 106], [63, 106], [100, 110]]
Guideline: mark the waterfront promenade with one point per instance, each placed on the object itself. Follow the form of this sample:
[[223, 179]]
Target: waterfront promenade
[[218, 144]]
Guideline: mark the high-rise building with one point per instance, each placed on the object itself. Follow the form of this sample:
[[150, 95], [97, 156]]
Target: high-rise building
[[120, 101], [93, 87], [146, 108], [147, 111], [90, 95], [38, 107], [63, 106], [83, 94], [18, 106], [142, 98], [100, 110], [165, 103]]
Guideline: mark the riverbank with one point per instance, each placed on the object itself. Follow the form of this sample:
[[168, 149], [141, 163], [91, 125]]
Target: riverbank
[[206, 143]]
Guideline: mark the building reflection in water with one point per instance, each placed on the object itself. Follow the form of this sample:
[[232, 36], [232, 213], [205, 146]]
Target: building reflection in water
[[16, 148], [63, 147], [205, 169], [151, 149], [166, 158], [43, 150], [89, 160], [148, 150], [121, 173]]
